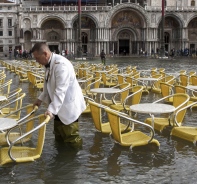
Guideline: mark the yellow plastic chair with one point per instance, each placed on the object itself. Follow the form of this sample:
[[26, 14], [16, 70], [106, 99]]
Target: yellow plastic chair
[[183, 89], [184, 80], [23, 153], [5, 87], [187, 133], [17, 116], [108, 80], [132, 138], [179, 101], [96, 112], [166, 90], [132, 99], [13, 104], [125, 87], [95, 84], [194, 80]]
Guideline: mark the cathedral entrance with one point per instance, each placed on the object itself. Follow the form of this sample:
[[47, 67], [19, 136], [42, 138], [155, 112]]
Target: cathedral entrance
[[123, 47]]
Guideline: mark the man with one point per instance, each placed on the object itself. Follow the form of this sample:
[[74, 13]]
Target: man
[[102, 55], [62, 93]]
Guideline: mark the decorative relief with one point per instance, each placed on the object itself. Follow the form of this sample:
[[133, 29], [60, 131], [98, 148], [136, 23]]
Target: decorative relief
[[126, 18], [27, 23], [53, 36], [34, 18], [1, 41], [153, 18], [9, 41]]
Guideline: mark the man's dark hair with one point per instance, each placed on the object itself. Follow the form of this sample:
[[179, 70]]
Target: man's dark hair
[[40, 47]]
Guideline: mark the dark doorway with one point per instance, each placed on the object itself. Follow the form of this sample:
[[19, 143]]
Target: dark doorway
[[54, 48], [124, 47]]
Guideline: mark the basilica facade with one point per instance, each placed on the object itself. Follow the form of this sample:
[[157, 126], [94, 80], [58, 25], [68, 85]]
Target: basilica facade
[[122, 27]]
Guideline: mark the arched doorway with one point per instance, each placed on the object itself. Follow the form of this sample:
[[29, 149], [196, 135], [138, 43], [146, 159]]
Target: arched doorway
[[52, 33], [172, 33], [192, 35], [88, 35], [127, 30], [27, 40], [166, 40]]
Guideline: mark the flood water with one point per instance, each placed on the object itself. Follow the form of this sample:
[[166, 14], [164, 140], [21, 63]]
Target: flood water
[[100, 160]]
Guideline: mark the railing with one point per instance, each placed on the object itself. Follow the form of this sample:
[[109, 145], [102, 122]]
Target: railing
[[171, 8], [65, 8]]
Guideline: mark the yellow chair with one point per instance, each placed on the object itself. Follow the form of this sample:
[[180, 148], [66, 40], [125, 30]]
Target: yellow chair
[[183, 89], [23, 153], [132, 138], [166, 90], [17, 116], [184, 79], [95, 84], [194, 80], [108, 80], [96, 112], [13, 104], [179, 101], [132, 99], [5, 87], [187, 133], [125, 87]]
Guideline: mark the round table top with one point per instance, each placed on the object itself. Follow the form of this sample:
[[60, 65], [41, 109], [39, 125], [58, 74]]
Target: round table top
[[148, 78], [152, 108], [105, 90], [7, 123], [2, 98], [192, 87]]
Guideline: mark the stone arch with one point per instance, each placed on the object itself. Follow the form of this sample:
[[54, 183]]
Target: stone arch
[[192, 30], [130, 29], [52, 30], [92, 17], [174, 16], [51, 17], [142, 14], [88, 28], [193, 17], [172, 31]]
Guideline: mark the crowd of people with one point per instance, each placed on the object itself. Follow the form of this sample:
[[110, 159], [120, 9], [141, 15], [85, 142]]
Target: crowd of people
[[18, 53]]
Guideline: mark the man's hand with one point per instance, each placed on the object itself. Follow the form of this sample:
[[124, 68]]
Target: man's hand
[[37, 103], [49, 113]]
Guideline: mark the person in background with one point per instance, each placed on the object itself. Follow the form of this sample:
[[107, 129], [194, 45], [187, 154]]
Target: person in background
[[102, 55], [62, 93]]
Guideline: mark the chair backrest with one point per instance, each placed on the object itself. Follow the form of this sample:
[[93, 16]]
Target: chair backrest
[[5, 87], [135, 97], [120, 79], [166, 89], [184, 79], [180, 100], [114, 121], [194, 80], [180, 89], [96, 112], [169, 79]]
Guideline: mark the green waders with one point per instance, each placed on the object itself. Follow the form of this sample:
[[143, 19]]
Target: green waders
[[67, 133]]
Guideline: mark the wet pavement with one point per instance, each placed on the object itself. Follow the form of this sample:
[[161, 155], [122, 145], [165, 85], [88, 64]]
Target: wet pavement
[[100, 160]]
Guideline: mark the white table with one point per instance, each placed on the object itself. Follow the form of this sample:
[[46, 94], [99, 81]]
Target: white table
[[2, 98], [7, 123], [152, 108], [105, 91], [191, 87]]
